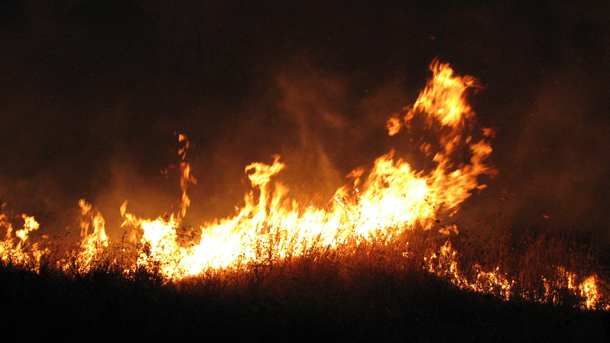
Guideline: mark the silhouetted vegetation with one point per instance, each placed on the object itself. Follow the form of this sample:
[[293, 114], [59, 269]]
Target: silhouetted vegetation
[[373, 292]]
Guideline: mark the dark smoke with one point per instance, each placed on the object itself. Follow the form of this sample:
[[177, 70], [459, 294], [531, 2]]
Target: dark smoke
[[94, 91]]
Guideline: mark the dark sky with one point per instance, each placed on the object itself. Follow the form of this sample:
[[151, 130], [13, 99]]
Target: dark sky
[[93, 91]]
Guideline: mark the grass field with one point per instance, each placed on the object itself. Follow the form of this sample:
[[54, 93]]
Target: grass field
[[370, 292], [375, 262]]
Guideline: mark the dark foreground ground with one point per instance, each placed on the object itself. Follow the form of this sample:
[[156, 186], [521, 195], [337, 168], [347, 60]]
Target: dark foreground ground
[[322, 303]]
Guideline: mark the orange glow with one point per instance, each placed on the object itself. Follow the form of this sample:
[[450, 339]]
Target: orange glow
[[389, 200]]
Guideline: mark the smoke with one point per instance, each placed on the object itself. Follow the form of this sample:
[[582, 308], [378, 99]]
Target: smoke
[[323, 125], [93, 92], [560, 154], [552, 142]]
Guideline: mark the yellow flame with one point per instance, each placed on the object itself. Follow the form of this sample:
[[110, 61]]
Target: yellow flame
[[392, 198], [92, 244], [20, 254], [385, 201]]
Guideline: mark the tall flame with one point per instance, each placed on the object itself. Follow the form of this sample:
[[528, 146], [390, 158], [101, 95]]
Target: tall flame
[[392, 198]]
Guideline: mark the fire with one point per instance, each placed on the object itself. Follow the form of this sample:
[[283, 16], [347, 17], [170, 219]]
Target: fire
[[20, 253], [92, 243], [390, 200]]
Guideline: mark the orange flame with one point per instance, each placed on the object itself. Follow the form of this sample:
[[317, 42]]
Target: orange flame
[[392, 199], [389, 200]]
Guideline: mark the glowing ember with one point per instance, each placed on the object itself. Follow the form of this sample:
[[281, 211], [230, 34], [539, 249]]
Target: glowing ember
[[386, 203]]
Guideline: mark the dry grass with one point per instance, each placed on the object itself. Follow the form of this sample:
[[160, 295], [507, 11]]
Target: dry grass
[[379, 289]]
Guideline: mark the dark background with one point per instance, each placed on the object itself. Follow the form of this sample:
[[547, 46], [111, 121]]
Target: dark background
[[92, 93]]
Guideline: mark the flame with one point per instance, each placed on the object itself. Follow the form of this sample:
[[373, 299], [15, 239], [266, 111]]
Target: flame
[[387, 201], [185, 169], [20, 254], [92, 243], [393, 198]]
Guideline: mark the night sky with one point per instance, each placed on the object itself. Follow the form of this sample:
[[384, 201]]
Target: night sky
[[93, 92]]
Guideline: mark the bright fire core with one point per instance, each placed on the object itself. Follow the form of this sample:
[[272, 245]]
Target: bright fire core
[[385, 202]]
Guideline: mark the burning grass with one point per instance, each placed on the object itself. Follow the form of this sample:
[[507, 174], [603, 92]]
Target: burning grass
[[374, 256], [362, 292], [555, 270]]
